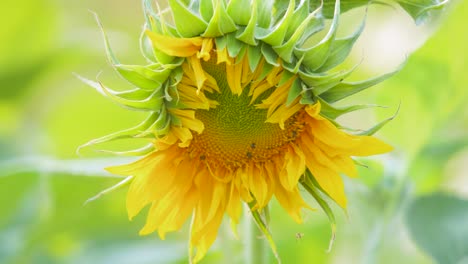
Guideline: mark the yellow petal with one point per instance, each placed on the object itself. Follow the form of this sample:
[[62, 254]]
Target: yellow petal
[[207, 46], [313, 110], [283, 112], [152, 181], [223, 57], [198, 71], [234, 206], [258, 185], [331, 183], [234, 75], [291, 201], [346, 165], [241, 181], [183, 134], [371, 146], [141, 164], [328, 133], [177, 47], [206, 236], [316, 154], [293, 169], [187, 117]]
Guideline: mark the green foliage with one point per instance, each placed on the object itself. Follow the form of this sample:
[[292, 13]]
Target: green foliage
[[419, 10], [437, 224]]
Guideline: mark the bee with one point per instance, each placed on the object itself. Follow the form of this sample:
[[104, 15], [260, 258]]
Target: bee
[[299, 236]]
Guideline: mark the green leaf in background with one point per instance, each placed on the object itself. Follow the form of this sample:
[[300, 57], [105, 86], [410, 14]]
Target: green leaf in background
[[419, 10], [438, 225], [26, 45]]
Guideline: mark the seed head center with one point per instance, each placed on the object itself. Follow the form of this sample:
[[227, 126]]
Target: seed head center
[[235, 131]]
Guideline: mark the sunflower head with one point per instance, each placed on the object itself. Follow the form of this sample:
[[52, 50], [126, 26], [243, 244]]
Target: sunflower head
[[240, 109]]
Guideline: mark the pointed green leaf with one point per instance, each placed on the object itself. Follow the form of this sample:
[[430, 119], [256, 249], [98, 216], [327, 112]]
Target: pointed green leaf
[[167, 87], [157, 24], [160, 55], [206, 9], [242, 52], [286, 76], [155, 21], [315, 57], [146, 46], [320, 82], [341, 48], [308, 97], [234, 45], [188, 24], [300, 14], [371, 131], [312, 190], [285, 51], [269, 54], [267, 68], [419, 10], [110, 54], [264, 229], [332, 82], [175, 79], [153, 102], [344, 89], [134, 94], [315, 25], [221, 42], [127, 133], [159, 124], [310, 179], [130, 153], [248, 34], [279, 9], [221, 23], [143, 76], [254, 54], [119, 185], [165, 127], [293, 66], [333, 112], [329, 6], [276, 36], [264, 13], [294, 92], [238, 12]]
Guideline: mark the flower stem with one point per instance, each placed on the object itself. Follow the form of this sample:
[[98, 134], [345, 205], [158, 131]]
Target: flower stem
[[256, 246]]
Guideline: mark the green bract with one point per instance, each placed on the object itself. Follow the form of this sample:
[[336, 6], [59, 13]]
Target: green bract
[[279, 31]]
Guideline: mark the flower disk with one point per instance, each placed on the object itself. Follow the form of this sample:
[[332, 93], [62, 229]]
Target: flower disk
[[236, 132]]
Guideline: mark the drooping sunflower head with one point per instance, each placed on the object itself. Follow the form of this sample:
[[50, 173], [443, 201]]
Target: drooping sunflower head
[[240, 110]]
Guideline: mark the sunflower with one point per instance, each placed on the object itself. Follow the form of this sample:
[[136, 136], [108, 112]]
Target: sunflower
[[240, 103]]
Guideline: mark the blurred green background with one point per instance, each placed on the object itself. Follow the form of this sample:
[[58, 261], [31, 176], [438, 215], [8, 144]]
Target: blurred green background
[[407, 207]]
